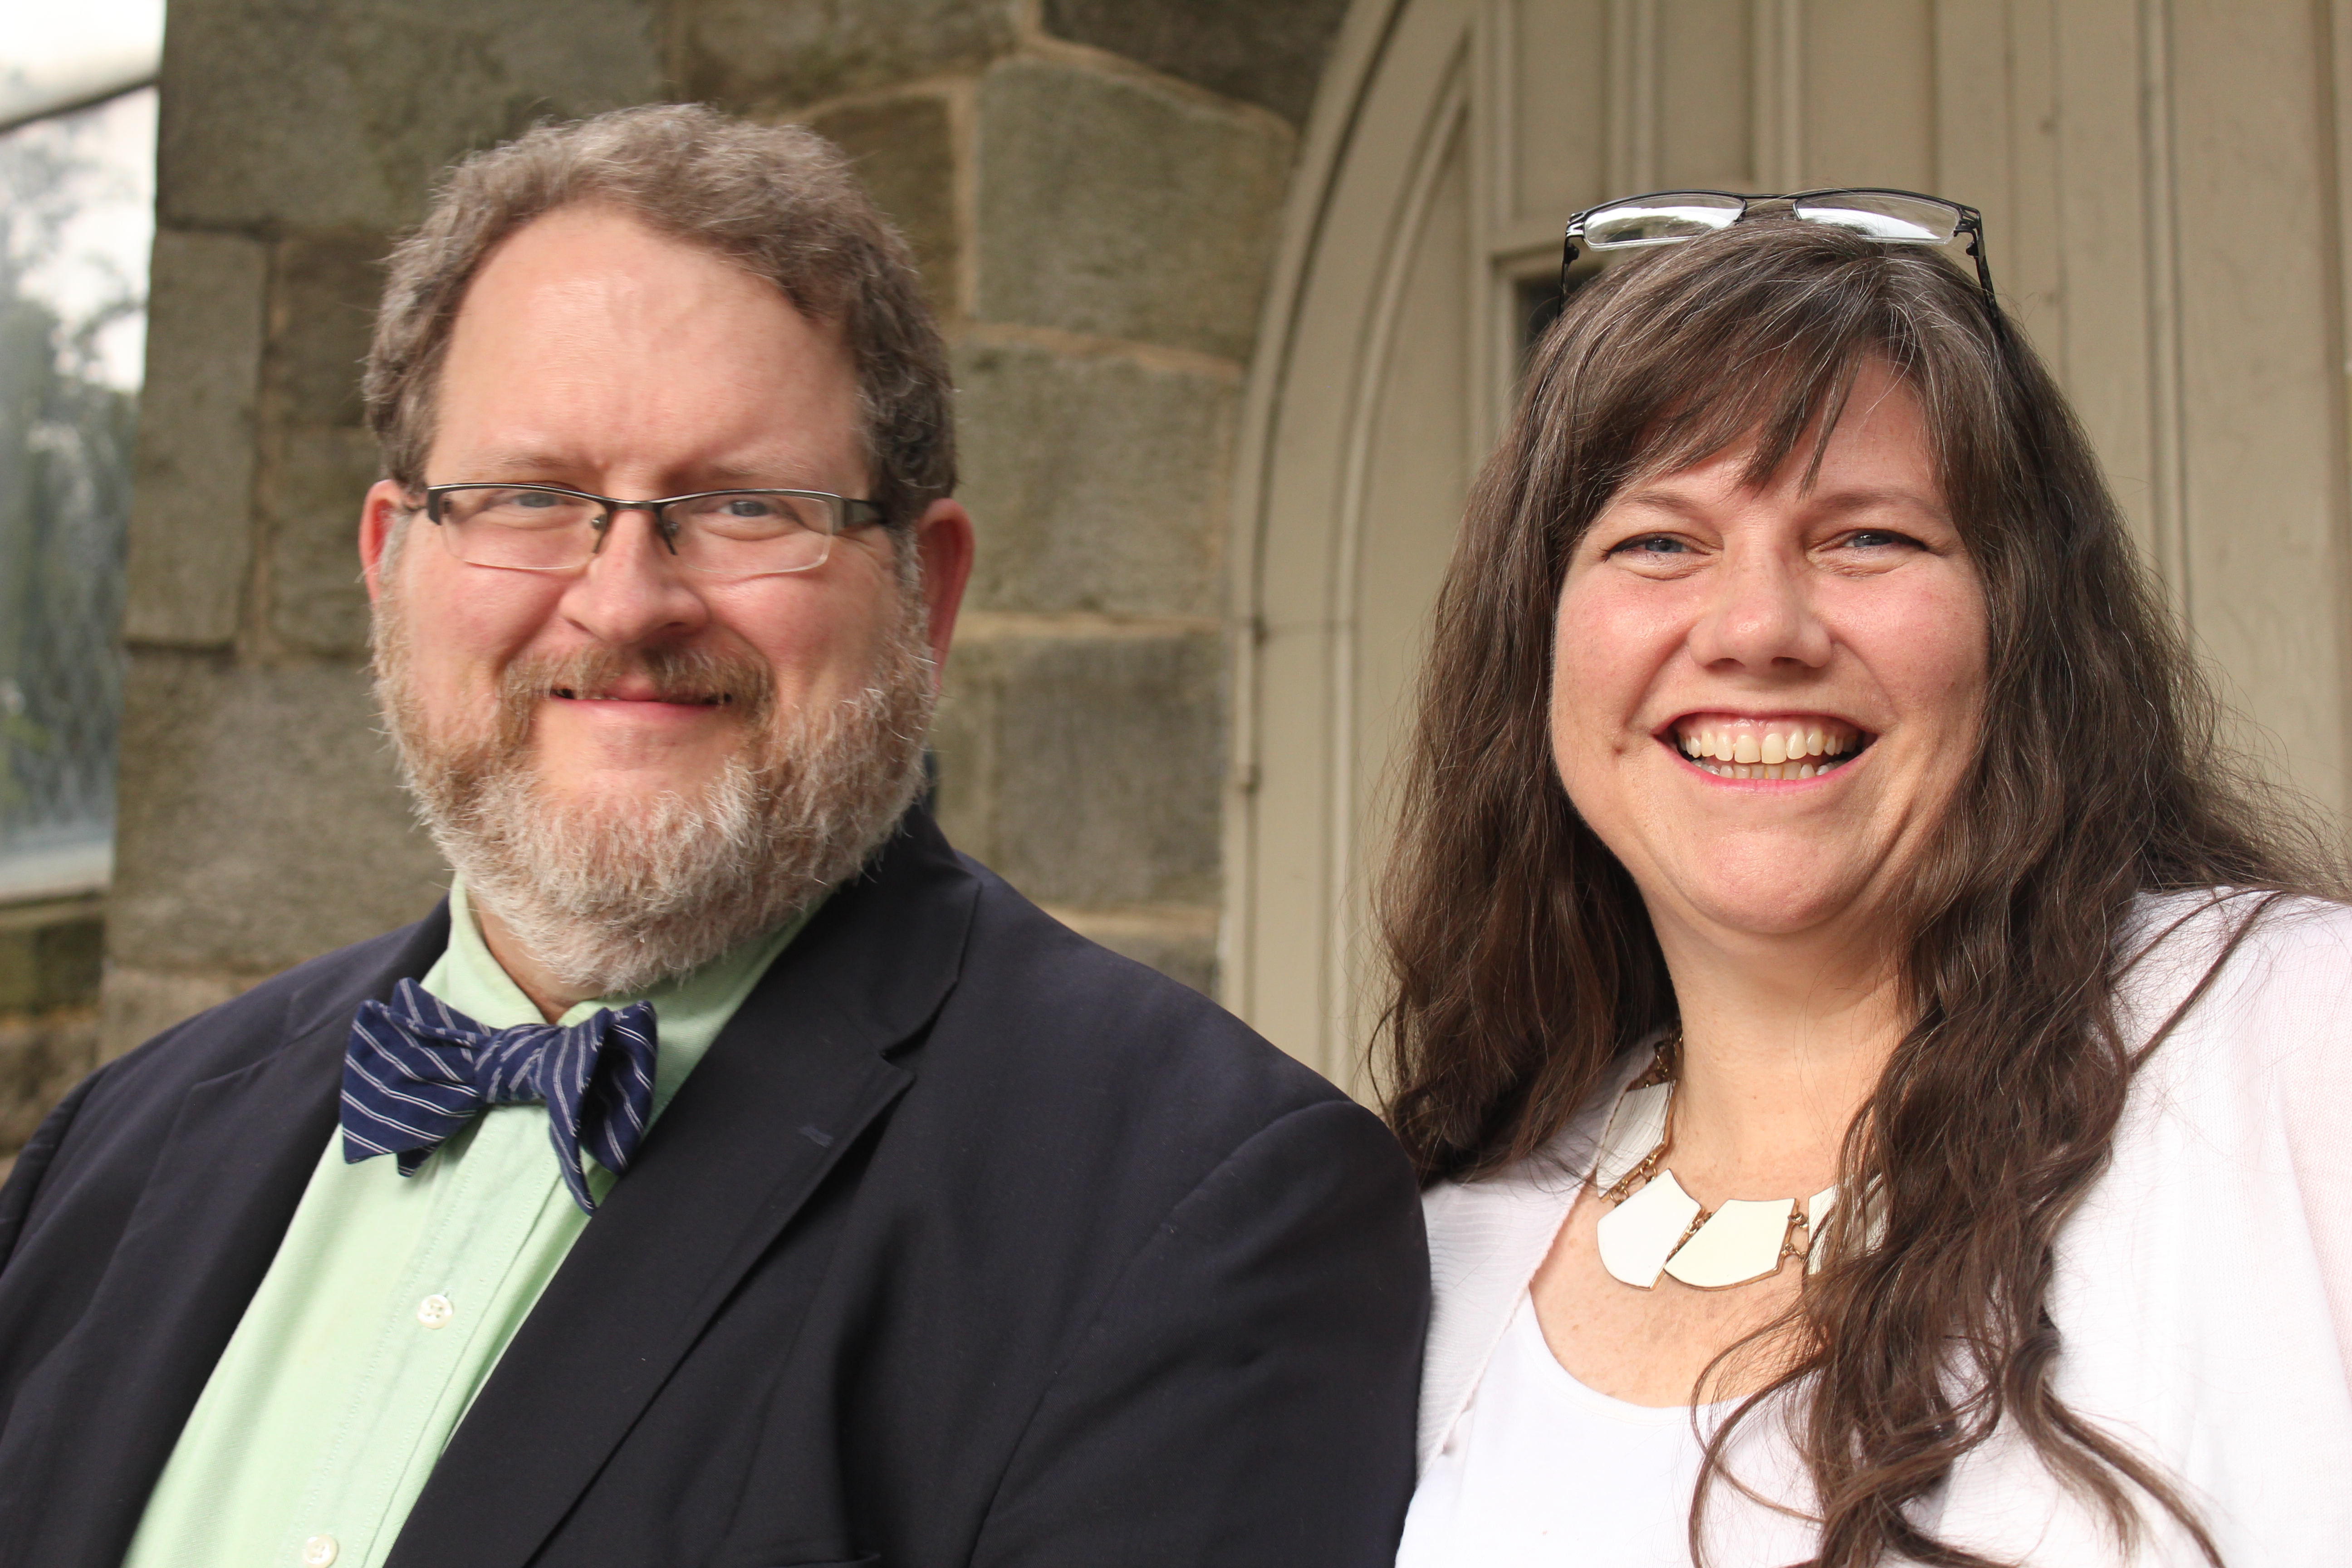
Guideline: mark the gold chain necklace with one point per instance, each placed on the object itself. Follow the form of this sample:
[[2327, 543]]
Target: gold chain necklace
[[1654, 1227]]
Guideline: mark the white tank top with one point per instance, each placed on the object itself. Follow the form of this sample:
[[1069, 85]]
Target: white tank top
[[1542, 1470]]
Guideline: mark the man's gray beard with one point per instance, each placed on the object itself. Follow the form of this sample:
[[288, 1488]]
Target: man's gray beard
[[613, 896]]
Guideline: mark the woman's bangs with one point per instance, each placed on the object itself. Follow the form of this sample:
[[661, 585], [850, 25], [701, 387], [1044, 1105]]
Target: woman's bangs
[[1765, 357]]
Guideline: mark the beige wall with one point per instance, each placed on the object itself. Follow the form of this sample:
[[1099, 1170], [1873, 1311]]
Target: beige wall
[[2164, 205]]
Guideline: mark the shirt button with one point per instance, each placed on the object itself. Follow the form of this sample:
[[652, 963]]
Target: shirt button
[[320, 1551], [434, 1312]]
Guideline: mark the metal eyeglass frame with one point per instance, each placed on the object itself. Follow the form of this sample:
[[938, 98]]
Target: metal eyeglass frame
[[1970, 223], [848, 512]]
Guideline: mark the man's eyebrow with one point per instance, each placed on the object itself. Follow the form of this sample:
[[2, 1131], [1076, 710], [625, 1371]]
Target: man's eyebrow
[[525, 463], [520, 461], [781, 474]]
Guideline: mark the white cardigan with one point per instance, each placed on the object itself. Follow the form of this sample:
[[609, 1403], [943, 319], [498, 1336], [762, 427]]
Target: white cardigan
[[2203, 1289]]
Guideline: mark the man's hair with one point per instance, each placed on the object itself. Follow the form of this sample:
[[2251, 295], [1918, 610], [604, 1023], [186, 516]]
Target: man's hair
[[778, 201], [1525, 960]]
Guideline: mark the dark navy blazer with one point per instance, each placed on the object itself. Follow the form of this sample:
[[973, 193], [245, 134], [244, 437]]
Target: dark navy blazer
[[969, 1242]]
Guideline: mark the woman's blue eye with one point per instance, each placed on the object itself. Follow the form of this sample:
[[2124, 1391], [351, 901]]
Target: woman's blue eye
[[1650, 543], [1875, 539]]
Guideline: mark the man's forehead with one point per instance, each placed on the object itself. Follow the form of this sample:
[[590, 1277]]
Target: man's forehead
[[589, 256], [588, 340]]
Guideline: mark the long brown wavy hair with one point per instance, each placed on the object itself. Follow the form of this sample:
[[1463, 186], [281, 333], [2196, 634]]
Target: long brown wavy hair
[[1524, 962]]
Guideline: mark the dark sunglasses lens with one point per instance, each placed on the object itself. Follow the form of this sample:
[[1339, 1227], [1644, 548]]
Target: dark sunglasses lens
[[1886, 216], [1660, 220]]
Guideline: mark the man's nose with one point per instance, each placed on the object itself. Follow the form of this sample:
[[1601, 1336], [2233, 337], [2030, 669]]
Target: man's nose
[[1760, 615], [635, 590]]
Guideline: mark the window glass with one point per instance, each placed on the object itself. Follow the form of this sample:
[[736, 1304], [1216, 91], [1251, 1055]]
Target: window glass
[[77, 201]]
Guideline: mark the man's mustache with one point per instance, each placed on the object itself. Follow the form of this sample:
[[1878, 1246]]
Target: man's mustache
[[728, 677]]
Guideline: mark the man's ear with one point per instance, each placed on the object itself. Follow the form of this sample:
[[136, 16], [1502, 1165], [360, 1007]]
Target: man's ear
[[378, 514], [943, 544]]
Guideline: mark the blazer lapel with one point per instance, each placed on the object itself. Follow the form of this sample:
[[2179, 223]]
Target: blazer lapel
[[789, 1085], [1486, 1239], [203, 1232]]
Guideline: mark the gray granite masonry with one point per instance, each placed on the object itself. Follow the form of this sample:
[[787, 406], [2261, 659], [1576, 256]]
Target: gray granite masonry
[[1093, 193]]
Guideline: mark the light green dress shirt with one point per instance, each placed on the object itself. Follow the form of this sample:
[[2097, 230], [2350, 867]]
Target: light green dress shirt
[[390, 1301]]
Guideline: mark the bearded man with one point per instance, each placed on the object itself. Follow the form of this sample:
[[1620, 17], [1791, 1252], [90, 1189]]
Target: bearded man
[[886, 1221]]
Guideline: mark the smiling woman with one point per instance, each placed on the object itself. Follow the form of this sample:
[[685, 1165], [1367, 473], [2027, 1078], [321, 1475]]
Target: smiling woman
[[1867, 1042], [1704, 607]]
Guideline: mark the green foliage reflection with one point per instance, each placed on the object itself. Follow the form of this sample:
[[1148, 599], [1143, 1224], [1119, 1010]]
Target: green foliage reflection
[[65, 491]]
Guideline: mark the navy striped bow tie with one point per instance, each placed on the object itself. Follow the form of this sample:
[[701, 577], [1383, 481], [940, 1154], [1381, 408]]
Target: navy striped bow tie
[[417, 1070]]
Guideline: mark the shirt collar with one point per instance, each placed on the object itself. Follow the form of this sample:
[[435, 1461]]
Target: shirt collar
[[690, 1010]]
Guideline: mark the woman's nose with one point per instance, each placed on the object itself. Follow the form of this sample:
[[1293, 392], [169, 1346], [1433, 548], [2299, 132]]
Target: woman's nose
[[634, 590], [1761, 615]]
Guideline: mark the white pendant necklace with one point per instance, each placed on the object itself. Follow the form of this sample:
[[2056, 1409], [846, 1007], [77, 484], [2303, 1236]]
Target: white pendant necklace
[[1653, 1226]]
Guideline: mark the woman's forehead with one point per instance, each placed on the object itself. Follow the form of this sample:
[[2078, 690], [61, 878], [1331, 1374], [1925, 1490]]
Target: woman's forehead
[[1872, 435]]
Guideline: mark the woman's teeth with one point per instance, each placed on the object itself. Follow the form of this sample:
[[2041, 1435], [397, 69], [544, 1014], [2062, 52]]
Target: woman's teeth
[[1781, 751]]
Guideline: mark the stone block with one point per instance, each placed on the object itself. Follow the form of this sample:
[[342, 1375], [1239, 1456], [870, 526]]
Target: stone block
[[1118, 208], [1097, 483], [904, 152], [317, 459], [323, 290], [191, 507], [764, 55], [51, 953], [1086, 770], [1270, 55], [310, 493], [311, 115], [41, 1057], [259, 822]]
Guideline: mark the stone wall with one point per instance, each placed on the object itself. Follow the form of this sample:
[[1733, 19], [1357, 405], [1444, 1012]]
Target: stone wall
[[1093, 189], [258, 825], [1106, 233], [49, 964]]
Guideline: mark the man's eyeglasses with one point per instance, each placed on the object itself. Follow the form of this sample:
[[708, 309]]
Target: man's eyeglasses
[[1663, 217], [727, 533]]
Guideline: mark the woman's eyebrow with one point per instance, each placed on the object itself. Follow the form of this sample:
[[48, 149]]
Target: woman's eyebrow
[[1875, 498], [1830, 503], [1658, 500]]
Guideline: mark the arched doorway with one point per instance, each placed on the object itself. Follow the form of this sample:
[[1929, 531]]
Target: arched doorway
[[2117, 149]]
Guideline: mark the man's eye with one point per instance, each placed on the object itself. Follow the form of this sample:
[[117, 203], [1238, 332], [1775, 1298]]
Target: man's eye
[[765, 514], [522, 509]]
